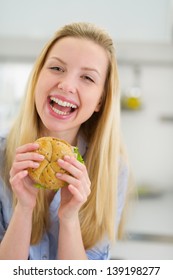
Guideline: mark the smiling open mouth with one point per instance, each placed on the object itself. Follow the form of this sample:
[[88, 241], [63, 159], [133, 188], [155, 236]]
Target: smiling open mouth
[[61, 107]]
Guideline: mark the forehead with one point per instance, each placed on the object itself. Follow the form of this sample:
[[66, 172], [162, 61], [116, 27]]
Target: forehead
[[79, 48]]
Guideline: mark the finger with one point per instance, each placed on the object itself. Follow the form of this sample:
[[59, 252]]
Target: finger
[[18, 177], [23, 165], [74, 161], [29, 156], [81, 186], [77, 196], [29, 147], [69, 167], [78, 165], [73, 170], [69, 179]]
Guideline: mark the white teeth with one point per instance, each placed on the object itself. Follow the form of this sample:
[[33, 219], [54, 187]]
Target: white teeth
[[63, 103], [59, 112]]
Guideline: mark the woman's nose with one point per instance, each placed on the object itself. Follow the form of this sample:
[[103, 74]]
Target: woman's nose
[[67, 85]]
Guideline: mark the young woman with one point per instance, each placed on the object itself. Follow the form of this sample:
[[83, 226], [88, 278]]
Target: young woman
[[72, 94]]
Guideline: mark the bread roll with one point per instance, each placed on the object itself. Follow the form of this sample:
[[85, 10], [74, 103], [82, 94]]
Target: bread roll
[[53, 149]]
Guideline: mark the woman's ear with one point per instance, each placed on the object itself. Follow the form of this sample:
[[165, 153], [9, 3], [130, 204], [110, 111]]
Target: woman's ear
[[97, 109]]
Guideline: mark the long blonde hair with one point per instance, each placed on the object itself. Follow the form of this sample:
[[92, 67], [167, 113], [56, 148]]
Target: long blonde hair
[[102, 131]]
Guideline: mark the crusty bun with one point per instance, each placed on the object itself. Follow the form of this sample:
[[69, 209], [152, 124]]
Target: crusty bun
[[53, 149]]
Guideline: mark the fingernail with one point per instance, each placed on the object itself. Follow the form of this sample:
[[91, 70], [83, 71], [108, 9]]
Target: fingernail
[[60, 160], [66, 157], [59, 174], [41, 156], [36, 164], [36, 145]]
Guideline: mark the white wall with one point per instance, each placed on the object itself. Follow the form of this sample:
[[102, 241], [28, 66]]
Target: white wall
[[134, 20], [149, 138]]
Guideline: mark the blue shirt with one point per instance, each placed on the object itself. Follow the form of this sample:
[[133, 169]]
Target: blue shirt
[[46, 249]]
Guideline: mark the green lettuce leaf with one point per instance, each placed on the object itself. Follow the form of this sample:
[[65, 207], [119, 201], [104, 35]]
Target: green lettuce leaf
[[38, 186], [79, 157]]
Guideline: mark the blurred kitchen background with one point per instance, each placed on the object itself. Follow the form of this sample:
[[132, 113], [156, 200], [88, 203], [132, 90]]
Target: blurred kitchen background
[[143, 35]]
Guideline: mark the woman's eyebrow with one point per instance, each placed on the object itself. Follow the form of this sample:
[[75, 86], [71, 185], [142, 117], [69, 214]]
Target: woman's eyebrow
[[91, 69], [58, 59]]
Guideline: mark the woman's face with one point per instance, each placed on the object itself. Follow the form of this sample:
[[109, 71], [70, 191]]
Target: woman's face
[[70, 86]]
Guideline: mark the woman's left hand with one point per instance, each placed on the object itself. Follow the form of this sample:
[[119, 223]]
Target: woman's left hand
[[76, 193]]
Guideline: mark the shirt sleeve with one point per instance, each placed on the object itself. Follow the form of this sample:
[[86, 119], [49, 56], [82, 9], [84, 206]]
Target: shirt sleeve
[[100, 251], [2, 223], [5, 196]]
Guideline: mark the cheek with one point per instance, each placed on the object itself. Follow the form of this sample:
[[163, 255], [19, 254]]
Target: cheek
[[96, 97], [45, 82], [39, 95], [37, 101], [91, 102], [41, 89], [41, 85]]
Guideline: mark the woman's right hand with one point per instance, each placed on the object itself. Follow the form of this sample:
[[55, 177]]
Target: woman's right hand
[[21, 184]]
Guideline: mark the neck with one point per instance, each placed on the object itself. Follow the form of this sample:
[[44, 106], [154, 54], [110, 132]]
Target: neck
[[69, 136]]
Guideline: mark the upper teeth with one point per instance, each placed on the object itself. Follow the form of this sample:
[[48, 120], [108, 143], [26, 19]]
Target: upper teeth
[[63, 103]]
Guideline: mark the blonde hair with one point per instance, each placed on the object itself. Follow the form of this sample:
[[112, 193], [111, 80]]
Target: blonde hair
[[102, 131]]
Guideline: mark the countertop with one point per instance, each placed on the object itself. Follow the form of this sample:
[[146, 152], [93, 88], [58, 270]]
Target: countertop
[[149, 229]]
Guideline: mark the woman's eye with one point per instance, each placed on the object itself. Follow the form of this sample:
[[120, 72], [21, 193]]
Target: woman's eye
[[88, 78], [56, 68]]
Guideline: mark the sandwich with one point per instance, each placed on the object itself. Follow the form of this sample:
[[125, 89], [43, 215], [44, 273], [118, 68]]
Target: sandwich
[[52, 149]]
